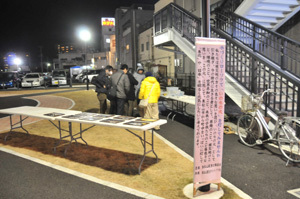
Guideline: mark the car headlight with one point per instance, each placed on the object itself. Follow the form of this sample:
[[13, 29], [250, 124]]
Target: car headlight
[[36, 80]]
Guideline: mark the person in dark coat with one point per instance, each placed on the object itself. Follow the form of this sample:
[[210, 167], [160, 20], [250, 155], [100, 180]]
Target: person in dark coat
[[102, 84], [129, 105]]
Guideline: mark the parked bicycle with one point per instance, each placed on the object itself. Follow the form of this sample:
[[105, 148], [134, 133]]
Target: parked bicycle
[[252, 124]]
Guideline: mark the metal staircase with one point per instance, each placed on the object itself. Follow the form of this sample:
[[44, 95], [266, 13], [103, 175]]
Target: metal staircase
[[270, 14], [269, 59]]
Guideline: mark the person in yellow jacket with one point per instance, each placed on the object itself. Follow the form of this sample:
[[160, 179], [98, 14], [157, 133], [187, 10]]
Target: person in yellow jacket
[[151, 112]]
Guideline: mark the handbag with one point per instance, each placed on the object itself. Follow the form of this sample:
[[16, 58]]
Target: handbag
[[144, 102], [112, 92]]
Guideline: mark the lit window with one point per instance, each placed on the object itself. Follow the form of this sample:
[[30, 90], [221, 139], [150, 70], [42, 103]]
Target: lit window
[[127, 47]]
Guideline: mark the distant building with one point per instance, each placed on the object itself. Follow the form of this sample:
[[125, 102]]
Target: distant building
[[128, 20], [107, 29], [65, 48]]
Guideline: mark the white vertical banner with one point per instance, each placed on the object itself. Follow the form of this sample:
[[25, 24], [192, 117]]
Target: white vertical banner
[[209, 110]]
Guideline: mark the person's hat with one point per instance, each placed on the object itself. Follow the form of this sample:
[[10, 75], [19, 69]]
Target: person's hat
[[147, 74]]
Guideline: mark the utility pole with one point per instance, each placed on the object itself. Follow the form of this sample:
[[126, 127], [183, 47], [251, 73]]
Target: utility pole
[[206, 18], [41, 51]]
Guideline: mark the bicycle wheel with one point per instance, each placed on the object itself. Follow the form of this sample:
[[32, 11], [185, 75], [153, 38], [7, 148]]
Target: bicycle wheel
[[290, 148], [248, 130]]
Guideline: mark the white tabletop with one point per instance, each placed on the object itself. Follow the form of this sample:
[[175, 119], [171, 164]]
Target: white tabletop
[[185, 98], [40, 112]]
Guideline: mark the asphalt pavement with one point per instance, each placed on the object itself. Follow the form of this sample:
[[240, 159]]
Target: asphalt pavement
[[21, 178]]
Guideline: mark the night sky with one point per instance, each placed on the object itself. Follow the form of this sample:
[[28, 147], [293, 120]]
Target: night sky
[[28, 24]]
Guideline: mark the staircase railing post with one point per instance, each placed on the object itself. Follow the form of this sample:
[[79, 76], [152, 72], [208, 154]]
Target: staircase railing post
[[181, 23], [253, 76], [254, 39], [298, 104], [169, 16], [233, 26], [283, 53]]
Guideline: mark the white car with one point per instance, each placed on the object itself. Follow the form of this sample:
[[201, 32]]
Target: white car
[[82, 77], [59, 77], [32, 79]]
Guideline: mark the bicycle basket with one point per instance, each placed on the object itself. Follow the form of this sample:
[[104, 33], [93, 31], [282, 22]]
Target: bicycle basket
[[247, 103]]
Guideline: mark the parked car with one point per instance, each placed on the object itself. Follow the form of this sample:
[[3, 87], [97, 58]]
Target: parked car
[[10, 80], [32, 80], [59, 77], [90, 73]]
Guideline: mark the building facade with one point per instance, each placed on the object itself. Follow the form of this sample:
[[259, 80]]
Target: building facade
[[128, 20]]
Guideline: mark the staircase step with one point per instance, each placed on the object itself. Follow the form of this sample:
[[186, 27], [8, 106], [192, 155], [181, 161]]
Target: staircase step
[[273, 7], [266, 13], [285, 2], [262, 19]]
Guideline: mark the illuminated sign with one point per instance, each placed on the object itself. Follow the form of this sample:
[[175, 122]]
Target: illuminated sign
[[108, 21]]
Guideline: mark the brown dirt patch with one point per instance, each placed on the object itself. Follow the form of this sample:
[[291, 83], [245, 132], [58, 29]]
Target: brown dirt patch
[[107, 159]]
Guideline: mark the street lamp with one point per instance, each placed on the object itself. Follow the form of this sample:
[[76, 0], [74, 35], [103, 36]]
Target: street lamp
[[85, 35], [48, 66], [17, 61]]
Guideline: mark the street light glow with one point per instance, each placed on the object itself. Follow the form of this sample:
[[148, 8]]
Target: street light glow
[[85, 35], [17, 61]]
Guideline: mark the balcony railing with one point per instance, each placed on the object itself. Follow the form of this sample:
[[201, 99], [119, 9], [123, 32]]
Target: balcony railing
[[173, 16]]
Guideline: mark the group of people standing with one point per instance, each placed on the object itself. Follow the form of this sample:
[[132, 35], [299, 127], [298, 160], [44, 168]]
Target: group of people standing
[[130, 89]]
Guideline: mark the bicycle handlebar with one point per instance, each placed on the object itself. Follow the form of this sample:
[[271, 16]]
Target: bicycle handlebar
[[258, 98]]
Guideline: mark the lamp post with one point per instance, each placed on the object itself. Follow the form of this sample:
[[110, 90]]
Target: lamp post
[[17, 61], [85, 35]]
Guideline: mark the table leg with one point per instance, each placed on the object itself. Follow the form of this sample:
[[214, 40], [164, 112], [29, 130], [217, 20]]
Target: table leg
[[153, 145], [71, 138], [12, 126], [144, 143], [60, 137]]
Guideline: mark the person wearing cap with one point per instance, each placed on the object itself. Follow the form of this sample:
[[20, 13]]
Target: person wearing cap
[[102, 84], [150, 88], [121, 81], [139, 76]]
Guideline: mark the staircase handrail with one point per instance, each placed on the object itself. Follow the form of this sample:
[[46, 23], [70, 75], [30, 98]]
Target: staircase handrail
[[276, 47], [256, 63]]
